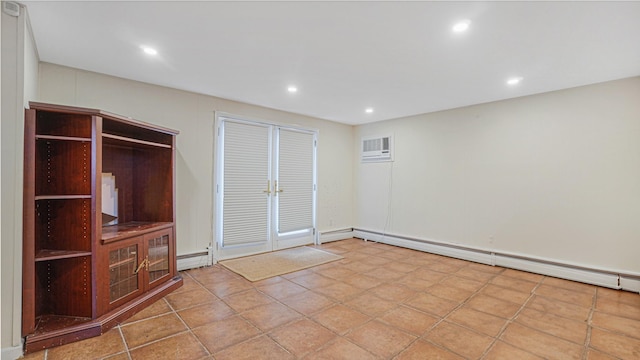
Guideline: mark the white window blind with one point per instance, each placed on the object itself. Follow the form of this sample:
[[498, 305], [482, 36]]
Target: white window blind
[[296, 180], [246, 171]]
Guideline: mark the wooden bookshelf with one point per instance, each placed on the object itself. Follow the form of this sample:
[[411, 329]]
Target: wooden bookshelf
[[80, 278]]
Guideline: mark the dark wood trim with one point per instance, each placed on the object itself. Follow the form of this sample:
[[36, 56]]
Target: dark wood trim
[[29, 225], [66, 138], [98, 112], [46, 254], [96, 208], [61, 197], [121, 232], [173, 255], [134, 141], [67, 335]]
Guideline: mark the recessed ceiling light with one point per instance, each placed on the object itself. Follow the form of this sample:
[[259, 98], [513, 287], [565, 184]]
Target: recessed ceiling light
[[149, 50], [461, 26], [292, 89], [514, 80], [368, 110]]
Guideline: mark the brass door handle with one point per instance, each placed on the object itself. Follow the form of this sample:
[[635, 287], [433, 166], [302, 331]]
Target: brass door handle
[[268, 191], [275, 187], [144, 263]]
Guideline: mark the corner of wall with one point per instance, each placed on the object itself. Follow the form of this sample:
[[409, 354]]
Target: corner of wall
[[11, 353], [19, 85]]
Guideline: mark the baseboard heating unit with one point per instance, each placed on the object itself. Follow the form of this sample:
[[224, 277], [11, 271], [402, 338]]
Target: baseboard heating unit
[[600, 277]]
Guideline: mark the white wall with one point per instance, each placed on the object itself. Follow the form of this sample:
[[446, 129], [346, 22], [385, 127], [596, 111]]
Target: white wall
[[554, 176], [19, 85], [193, 116]]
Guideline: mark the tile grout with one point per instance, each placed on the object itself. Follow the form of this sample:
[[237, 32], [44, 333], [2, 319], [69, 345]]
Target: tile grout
[[512, 320], [587, 339]]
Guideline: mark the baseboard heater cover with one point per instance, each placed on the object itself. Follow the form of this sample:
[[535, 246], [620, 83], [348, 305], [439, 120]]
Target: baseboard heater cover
[[335, 235], [194, 260], [599, 277]]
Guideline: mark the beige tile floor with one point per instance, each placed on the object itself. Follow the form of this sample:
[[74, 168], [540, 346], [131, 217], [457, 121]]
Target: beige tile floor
[[379, 302]]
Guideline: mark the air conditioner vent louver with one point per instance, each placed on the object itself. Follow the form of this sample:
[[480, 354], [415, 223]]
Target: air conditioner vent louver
[[377, 149]]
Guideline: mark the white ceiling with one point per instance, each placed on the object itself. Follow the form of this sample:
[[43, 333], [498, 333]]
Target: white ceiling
[[400, 58]]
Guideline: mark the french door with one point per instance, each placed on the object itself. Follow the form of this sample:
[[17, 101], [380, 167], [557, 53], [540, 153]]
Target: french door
[[265, 187]]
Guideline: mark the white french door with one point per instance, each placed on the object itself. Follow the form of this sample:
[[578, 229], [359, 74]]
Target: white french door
[[265, 187]]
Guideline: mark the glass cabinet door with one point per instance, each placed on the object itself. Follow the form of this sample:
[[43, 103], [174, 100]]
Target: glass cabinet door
[[138, 264], [158, 255], [123, 272]]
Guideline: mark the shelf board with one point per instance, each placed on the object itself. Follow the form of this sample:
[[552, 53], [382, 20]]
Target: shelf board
[[65, 138], [134, 141], [61, 197], [118, 232], [48, 254], [54, 323]]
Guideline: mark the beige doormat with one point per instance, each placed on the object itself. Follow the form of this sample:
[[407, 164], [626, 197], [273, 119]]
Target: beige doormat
[[263, 266]]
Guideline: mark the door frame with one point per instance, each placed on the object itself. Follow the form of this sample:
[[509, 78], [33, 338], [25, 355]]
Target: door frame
[[217, 188]]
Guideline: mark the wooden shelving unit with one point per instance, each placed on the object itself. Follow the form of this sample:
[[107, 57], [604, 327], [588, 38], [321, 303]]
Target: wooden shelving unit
[[80, 277]]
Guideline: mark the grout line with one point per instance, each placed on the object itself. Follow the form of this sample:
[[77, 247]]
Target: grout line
[[157, 340], [189, 330], [175, 313], [124, 341], [512, 320], [587, 340], [459, 306]]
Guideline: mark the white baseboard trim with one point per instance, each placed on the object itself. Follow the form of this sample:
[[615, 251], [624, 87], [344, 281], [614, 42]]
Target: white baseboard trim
[[193, 261], [11, 353], [458, 252], [630, 283], [335, 235], [599, 277], [589, 276]]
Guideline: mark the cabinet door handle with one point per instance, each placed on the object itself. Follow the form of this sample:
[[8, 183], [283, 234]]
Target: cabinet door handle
[[144, 263]]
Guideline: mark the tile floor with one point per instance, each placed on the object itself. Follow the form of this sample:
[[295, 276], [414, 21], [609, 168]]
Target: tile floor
[[379, 302]]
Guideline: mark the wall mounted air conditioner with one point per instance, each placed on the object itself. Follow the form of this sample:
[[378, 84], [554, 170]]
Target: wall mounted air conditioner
[[375, 149]]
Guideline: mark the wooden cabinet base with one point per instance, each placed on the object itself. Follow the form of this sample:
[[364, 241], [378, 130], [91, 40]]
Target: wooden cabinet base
[[55, 331]]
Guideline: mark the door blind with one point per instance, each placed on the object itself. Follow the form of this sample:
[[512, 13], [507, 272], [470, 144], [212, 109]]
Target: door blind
[[296, 180], [246, 171]]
